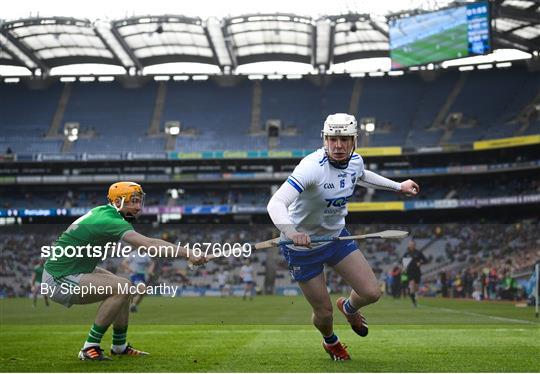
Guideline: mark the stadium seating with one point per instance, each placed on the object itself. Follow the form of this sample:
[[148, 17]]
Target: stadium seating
[[304, 104], [432, 99], [432, 189], [492, 98], [119, 116], [25, 116], [221, 115], [393, 102], [218, 115]]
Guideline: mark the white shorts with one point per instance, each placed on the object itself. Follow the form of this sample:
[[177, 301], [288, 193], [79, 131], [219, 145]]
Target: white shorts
[[66, 299]]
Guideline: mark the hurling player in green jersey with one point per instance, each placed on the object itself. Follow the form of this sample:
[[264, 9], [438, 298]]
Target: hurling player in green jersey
[[100, 227], [35, 283]]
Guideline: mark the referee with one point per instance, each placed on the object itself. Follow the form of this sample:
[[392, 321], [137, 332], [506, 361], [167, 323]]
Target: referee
[[411, 261]]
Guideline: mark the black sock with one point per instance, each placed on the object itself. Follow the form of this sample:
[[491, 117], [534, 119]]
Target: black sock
[[330, 339], [413, 297]]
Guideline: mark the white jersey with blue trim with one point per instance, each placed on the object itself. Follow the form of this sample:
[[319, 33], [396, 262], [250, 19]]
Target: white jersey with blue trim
[[246, 273], [321, 207], [138, 263]]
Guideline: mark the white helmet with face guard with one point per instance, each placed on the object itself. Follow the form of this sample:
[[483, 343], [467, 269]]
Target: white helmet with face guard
[[341, 124]]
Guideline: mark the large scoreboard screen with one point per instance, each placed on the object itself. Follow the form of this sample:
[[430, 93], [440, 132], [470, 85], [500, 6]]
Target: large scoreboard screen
[[438, 36]]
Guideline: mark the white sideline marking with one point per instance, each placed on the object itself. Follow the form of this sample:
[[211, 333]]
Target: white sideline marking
[[503, 319], [504, 330]]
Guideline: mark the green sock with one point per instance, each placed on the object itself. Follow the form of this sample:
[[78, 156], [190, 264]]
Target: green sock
[[119, 336], [96, 333]]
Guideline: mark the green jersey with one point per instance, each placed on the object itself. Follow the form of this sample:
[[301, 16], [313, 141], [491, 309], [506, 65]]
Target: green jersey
[[101, 225], [38, 270]]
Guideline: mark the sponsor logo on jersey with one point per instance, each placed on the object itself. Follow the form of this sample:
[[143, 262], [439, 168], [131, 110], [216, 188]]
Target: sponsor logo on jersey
[[338, 202], [328, 186]]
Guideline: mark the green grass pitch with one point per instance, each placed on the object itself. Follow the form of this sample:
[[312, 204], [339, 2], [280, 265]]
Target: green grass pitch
[[438, 47], [274, 334]]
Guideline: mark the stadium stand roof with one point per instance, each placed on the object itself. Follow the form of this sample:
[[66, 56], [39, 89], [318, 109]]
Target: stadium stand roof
[[137, 42], [161, 39], [264, 37], [48, 42], [517, 24]]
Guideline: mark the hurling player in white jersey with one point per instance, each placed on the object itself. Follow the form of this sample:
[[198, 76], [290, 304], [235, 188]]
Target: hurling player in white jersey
[[313, 201], [246, 273], [141, 270]]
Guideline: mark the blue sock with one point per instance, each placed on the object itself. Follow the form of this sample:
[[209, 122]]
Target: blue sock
[[349, 309], [332, 339]]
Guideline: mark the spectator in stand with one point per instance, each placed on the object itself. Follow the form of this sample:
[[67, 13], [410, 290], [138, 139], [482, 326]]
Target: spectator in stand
[[508, 287], [404, 284], [493, 280], [484, 282], [467, 283], [388, 280], [478, 293], [443, 279], [396, 282], [532, 285], [458, 286]]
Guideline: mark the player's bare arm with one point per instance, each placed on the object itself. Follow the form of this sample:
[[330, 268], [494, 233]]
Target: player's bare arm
[[140, 241]]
